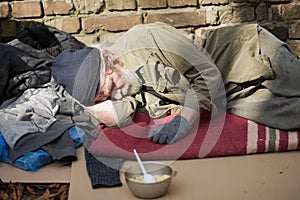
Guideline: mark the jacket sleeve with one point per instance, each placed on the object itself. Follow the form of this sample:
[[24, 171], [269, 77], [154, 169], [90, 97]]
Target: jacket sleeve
[[206, 87], [124, 110], [162, 43]]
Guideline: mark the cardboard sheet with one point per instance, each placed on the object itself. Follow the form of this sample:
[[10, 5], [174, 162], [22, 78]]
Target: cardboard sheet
[[258, 176], [53, 173]]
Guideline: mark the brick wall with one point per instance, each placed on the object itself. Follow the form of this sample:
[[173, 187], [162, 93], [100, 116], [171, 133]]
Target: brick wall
[[92, 20]]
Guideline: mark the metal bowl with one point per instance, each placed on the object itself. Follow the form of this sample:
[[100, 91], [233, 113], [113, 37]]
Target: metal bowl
[[149, 190]]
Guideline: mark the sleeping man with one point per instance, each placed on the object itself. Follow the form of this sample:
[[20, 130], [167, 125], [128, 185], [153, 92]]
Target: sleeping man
[[157, 69]]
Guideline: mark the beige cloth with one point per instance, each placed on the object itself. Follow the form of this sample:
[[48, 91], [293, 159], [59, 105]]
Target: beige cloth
[[167, 61], [247, 53], [261, 70], [236, 52]]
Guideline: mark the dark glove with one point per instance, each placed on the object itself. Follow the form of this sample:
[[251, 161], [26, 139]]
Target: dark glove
[[170, 132]]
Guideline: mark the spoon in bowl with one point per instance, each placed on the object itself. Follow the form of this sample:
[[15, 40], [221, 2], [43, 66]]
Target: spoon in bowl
[[148, 178]]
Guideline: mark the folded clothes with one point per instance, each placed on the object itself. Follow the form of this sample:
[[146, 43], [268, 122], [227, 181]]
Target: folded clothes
[[103, 171], [34, 160]]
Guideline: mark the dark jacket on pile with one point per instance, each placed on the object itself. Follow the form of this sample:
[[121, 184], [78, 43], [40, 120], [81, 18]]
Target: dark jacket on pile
[[35, 112]]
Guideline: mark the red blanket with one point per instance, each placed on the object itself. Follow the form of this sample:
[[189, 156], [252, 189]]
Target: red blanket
[[219, 136]]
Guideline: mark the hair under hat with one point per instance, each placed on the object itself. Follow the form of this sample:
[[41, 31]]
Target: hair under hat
[[79, 73]]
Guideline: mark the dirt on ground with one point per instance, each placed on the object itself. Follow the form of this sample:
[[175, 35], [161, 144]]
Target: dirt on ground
[[33, 191]]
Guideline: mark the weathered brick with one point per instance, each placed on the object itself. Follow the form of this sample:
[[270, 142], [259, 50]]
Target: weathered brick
[[295, 46], [291, 11], [8, 28], [88, 40], [120, 5], [261, 13], [282, 15], [146, 4], [60, 7], [277, 1], [237, 14], [179, 18], [226, 15], [214, 2], [285, 12], [244, 13], [280, 30], [212, 16], [69, 25], [4, 10], [182, 3], [110, 23], [25, 9], [294, 31], [247, 1], [275, 13], [88, 6]]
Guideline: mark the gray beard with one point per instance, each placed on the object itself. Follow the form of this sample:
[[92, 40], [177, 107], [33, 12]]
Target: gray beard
[[132, 83]]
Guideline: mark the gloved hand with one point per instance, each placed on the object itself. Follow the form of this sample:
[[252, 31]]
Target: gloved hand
[[170, 132]]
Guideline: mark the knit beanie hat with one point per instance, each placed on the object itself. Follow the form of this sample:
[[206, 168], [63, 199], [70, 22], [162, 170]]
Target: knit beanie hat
[[79, 73]]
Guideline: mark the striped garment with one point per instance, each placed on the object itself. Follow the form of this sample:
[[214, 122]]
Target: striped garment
[[265, 139], [230, 136]]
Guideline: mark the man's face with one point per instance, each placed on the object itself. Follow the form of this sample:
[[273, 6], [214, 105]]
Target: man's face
[[120, 82]]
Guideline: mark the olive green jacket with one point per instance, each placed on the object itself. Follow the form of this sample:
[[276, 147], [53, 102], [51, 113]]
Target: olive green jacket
[[258, 72], [168, 62], [261, 74]]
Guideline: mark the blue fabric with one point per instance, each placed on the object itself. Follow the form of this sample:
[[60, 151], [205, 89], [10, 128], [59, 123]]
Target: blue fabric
[[34, 160]]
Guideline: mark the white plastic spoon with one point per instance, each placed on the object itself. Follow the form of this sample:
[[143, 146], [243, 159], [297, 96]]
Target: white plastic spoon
[[148, 178]]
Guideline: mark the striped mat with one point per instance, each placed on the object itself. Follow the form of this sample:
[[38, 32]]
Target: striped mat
[[262, 139], [230, 135]]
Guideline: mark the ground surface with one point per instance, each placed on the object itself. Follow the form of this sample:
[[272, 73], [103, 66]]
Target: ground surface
[[30, 191]]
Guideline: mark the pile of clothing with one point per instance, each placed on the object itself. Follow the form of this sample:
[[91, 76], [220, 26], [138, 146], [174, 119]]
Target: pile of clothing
[[33, 109], [40, 120]]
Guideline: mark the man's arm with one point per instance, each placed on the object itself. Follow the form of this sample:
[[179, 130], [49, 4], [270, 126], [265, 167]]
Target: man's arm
[[104, 112], [114, 113], [190, 115]]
